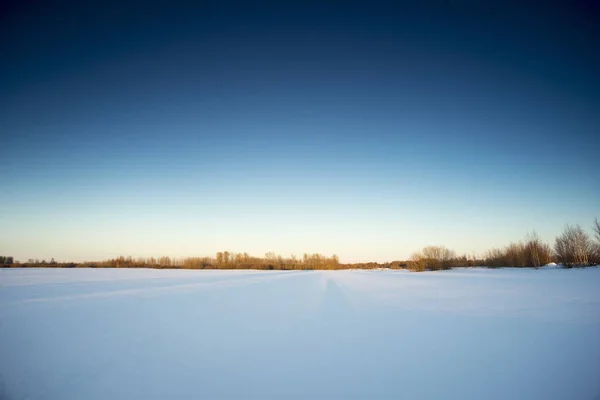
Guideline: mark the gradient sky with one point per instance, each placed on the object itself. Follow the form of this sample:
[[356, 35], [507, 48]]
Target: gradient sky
[[368, 131]]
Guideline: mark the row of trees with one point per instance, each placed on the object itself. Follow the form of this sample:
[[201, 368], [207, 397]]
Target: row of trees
[[8, 260], [574, 247], [531, 253], [224, 260]]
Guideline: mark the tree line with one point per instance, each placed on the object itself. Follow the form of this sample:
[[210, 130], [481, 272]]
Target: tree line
[[6, 260], [573, 248], [222, 260]]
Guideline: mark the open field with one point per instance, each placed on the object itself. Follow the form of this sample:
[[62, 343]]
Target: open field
[[156, 334]]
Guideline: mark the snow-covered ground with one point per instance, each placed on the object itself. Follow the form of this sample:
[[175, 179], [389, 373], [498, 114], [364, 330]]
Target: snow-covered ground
[[152, 334]]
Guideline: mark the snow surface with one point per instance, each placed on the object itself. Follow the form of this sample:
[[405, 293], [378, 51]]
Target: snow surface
[[157, 334]]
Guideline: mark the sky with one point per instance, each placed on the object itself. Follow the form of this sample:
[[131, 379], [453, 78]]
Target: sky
[[363, 130]]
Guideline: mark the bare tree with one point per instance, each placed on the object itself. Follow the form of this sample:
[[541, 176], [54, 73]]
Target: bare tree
[[596, 229], [439, 253], [515, 255], [537, 252], [434, 258], [573, 247], [533, 250]]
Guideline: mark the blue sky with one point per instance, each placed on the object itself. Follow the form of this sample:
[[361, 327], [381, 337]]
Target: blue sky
[[365, 131]]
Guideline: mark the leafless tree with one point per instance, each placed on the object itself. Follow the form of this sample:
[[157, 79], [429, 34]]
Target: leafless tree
[[573, 247], [596, 255], [433, 258], [537, 252], [516, 255], [439, 253]]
